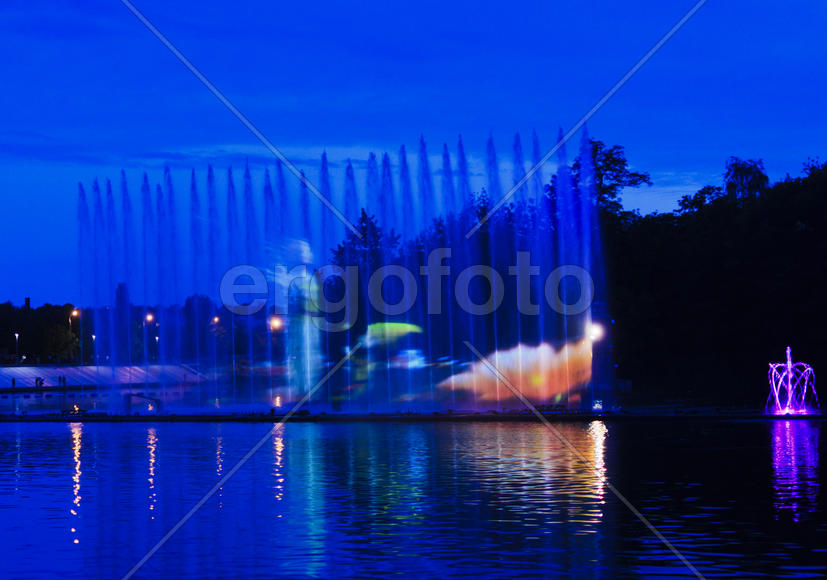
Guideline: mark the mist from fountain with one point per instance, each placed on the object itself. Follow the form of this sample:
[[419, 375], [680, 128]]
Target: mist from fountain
[[150, 295]]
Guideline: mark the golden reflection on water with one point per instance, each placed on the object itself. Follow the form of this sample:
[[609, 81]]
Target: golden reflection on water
[[152, 445], [520, 465], [278, 458], [219, 467], [598, 432], [77, 444]]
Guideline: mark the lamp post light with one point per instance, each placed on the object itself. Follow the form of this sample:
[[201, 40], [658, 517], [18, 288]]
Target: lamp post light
[[16, 346], [75, 313]]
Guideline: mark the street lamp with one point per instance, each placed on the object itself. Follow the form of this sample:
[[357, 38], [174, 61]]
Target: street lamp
[[16, 346], [74, 314]]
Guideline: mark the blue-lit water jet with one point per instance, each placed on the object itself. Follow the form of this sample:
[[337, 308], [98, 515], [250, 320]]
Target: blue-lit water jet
[[177, 260]]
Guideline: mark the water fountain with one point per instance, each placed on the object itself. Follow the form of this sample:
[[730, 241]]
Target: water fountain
[[792, 388], [150, 276]]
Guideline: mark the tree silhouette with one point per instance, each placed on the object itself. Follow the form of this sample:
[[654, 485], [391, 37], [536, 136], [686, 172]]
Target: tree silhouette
[[745, 178], [692, 203], [612, 174]]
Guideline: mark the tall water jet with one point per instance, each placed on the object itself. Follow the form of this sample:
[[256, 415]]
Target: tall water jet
[[197, 272], [172, 248], [172, 255], [251, 221], [372, 184], [85, 237], [234, 254], [233, 224], [162, 336], [306, 232], [428, 204], [537, 181], [406, 201], [489, 241], [129, 259], [148, 255], [100, 347], [113, 267], [390, 217], [327, 239], [283, 205], [587, 189], [567, 242], [99, 232], [270, 230], [495, 189], [213, 235], [111, 232], [351, 198], [253, 256], [518, 169], [448, 194], [464, 184]]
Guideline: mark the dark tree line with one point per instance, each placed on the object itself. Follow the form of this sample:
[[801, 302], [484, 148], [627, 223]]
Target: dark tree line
[[45, 334], [704, 297]]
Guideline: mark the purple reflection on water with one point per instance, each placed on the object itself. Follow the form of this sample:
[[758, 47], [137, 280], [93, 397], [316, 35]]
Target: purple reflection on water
[[795, 467]]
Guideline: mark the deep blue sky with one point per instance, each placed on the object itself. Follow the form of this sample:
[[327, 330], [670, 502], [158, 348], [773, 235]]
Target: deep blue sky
[[86, 90]]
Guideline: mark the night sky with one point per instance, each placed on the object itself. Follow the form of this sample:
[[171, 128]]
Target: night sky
[[87, 90]]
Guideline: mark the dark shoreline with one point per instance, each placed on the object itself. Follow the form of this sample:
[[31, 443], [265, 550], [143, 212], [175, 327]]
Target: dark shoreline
[[396, 418]]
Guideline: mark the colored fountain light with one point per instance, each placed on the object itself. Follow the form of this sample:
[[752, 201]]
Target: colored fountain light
[[792, 388]]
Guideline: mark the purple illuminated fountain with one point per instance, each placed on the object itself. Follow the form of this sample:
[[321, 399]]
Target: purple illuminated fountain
[[792, 388]]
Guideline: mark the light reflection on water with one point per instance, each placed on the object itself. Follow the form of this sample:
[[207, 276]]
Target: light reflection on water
[[151, 445], [795, 467], [77, 445], [425, 499]]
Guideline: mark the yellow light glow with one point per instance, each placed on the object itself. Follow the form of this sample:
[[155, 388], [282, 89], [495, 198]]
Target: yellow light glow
[[215, 320], [150, 317], [541, 373], [596, 332], [276, 323], [75, 313]]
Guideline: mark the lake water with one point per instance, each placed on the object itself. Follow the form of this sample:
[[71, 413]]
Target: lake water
[[736, 498]]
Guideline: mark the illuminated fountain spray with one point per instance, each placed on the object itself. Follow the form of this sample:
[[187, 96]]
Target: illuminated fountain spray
[[792, 388]]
